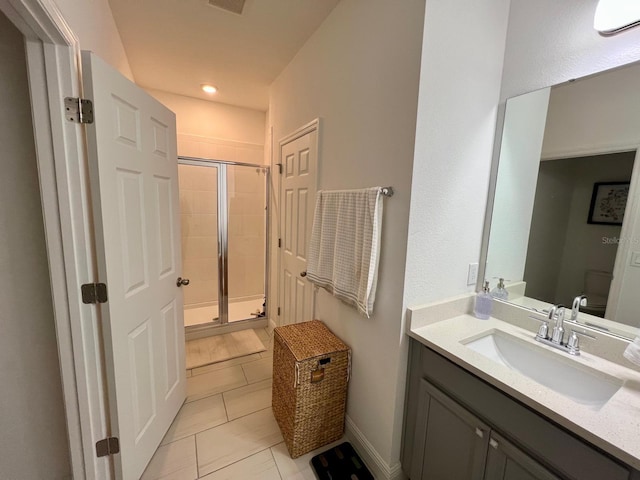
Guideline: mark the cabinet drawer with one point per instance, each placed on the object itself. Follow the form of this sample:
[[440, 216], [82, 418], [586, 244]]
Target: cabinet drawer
[[545, 441]]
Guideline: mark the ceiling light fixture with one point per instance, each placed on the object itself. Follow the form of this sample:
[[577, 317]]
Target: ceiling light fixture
[[613, 16], [207, 88]]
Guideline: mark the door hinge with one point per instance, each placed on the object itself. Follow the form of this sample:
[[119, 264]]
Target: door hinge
[[279, 168], [107, 446], [279, 243], [278, 311], [78, 110], [94, 293]]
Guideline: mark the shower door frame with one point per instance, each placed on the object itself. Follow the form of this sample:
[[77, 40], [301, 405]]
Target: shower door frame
[[223, 243]]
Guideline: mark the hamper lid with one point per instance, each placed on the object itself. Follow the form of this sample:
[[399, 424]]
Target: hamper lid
[[310, 339]]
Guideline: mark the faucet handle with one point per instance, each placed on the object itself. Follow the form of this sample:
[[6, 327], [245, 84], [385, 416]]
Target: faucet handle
[[543, 331], [573, 344]]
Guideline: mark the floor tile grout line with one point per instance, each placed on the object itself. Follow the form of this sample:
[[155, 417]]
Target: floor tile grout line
[[220, 391], [247, 414], [195, 442], [195, 433], [243, 416], [245, 386], [230, 366], [226, 411], [274, 460], [244, 458], [228, 360]]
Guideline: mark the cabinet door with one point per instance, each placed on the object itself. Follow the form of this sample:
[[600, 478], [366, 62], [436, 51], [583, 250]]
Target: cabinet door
[[506, 462], [451, 442]]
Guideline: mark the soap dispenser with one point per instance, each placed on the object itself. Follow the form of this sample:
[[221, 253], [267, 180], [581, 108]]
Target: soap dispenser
[[500, 292], [484, 303]]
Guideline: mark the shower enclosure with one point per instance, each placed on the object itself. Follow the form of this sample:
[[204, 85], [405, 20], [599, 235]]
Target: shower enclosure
[[224, 243]]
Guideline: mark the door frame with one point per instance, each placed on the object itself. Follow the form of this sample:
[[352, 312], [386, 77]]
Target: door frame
[[623, 252], [53, 68], [313, 125]]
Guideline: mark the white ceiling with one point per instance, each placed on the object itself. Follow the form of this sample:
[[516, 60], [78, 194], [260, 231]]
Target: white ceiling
[[176, 45]]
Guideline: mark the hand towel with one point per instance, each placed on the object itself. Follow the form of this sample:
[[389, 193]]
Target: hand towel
[[345, 245], [632, 352]]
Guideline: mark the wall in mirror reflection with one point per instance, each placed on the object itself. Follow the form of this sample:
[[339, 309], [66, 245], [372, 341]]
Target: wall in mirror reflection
[[557, 143]]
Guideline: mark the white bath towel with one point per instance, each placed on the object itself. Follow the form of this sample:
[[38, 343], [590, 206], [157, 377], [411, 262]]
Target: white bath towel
[[345, 245], [632, 352]]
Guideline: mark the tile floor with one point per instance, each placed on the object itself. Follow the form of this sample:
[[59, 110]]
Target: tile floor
[[226, 430]]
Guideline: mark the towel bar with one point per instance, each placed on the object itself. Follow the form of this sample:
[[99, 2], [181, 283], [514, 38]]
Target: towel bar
[[387, 191]]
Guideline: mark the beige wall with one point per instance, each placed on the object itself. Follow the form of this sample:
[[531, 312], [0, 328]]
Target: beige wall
[[92, 22], [359, 73], [215, 130], [32, 418]]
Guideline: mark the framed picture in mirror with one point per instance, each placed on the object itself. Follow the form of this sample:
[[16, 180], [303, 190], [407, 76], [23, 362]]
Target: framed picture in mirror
[[608, 202]]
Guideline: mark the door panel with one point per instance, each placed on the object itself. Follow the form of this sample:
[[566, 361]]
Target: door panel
[[298, 187], [455, 443], [164, 205], [134, 183], [171, 325], [507, 462]]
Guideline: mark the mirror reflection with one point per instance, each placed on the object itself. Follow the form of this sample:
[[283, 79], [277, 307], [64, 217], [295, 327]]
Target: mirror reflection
[[565, 218]]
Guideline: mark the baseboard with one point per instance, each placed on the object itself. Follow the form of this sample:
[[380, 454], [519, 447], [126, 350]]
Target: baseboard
[[380, 469]]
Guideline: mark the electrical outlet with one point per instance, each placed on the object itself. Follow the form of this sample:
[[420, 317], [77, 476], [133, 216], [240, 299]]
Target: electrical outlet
[[472, 277]]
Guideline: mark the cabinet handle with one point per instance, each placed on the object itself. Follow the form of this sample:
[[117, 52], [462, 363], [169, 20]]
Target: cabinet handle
[[479, 432], [493, 443]]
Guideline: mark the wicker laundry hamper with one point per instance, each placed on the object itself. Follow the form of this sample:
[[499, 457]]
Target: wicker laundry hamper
[[311, 369]]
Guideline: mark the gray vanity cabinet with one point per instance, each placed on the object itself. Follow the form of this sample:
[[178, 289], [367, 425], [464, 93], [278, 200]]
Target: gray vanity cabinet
[[451, 441], [507, 462], [457, 426]]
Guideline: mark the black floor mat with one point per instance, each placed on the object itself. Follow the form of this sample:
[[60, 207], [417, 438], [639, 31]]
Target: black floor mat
[[340, 463]]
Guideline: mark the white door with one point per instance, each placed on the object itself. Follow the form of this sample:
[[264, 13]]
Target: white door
[[134, 182], [298, 191]]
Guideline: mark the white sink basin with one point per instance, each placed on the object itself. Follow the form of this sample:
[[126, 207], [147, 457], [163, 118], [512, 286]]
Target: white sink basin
[[555, 371]]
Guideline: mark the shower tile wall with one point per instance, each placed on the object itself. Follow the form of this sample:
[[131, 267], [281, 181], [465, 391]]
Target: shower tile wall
[[198, 208], [247, 247]]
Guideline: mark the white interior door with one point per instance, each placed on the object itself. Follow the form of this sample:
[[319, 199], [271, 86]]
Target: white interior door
[[298, 192], [134, 182]]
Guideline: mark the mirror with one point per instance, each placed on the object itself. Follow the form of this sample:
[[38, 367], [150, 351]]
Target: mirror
[[566, 214]]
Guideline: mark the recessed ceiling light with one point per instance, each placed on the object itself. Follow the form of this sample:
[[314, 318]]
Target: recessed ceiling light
[[208, 88]]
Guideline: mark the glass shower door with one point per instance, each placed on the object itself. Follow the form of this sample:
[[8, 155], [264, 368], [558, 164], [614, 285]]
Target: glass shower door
[[200, 238], [246, 241], [224, 241]]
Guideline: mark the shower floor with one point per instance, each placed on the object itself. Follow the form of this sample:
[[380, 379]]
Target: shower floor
[[237, 311]]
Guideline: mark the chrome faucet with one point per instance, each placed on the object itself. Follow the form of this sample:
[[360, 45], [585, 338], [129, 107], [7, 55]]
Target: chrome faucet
[[579, 301], [556, 340], [557, 313]]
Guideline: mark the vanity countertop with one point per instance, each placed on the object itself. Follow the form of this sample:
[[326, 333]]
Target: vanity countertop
[[614, 427]]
